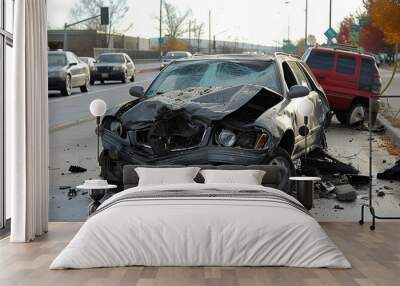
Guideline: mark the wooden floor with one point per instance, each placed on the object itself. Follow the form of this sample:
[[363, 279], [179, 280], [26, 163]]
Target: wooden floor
[[375, 257]]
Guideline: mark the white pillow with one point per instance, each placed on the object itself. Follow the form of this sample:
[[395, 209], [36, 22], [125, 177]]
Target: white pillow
[[166, 176], [243, 177]]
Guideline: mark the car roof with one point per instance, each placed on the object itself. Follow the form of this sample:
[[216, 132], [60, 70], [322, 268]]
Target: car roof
[[340, 50], [106, 54], [228, 57]]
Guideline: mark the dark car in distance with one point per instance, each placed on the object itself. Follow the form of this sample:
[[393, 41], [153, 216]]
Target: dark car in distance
[[171, 56], [224, 109], [66, 71], [349, 78], [113, 66]]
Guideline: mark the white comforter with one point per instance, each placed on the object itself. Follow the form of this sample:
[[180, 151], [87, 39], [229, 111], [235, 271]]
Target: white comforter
[[200, 231]]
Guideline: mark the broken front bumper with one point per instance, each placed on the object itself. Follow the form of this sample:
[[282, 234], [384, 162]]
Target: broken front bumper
[[118, 149]]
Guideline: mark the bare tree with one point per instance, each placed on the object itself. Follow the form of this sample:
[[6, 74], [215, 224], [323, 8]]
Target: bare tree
[[174, 21], [90, 8], [198, 30]]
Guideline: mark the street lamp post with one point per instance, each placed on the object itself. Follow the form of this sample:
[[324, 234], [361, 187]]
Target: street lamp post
[[288, 28], [306, 32], [159, 39], [209, 32]]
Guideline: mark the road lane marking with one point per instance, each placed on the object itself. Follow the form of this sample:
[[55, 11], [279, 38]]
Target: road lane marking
[[96, 91]]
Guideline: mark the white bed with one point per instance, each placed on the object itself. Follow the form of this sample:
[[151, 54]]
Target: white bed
[[260, 226]]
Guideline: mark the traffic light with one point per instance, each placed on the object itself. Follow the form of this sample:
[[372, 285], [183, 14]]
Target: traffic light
[[104, 16]]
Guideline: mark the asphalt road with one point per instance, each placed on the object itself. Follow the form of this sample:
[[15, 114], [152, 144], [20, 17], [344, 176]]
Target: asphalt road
[[66, 111]]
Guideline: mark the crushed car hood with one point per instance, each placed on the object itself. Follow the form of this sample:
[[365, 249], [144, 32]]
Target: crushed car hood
[[211, 104]]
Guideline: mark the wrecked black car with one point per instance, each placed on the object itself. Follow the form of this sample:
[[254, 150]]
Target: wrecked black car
[[216, 110]]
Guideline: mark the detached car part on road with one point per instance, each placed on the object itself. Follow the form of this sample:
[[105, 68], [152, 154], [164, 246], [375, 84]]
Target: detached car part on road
[[67, 71], [113, 66], [216, 110]]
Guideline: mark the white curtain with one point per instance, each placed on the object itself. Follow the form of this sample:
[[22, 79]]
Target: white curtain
[[27, 124]]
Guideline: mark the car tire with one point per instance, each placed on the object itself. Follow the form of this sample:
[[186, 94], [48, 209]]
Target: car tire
[[280, 157], [342, 116], [124, 77], [358, 113], [102, 81], [67, 90], [85, 87], [92, 81], [132, 79]]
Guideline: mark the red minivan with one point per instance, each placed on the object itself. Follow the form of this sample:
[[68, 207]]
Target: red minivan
[[349, 78]]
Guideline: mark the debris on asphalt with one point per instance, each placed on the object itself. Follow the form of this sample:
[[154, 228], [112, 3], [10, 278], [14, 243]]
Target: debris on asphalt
[[358, 180], [72, 193], [64, 187], [338, 207], [76, 169], [381, 193], [390, 147], [392, 173], [327, 164], [345, 193]]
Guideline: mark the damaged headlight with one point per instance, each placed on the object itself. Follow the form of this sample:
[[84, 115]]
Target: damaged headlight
[[226, 138], [116, 127]]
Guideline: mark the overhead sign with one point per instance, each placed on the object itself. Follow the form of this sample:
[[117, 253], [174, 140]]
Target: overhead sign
[[355, 28], [330, 34], [363, 21]]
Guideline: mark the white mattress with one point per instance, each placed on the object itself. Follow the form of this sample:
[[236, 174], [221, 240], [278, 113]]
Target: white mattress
[[193, 231]]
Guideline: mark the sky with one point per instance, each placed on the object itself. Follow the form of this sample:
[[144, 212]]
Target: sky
[[254, 21]]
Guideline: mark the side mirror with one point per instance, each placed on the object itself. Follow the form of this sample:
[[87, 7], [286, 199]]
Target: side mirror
[[297, 91], [137, 91]]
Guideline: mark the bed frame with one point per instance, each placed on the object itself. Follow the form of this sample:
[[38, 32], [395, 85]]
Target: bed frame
[[275, 176]]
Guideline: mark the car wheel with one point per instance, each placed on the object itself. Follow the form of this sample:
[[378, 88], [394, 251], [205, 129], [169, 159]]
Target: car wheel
[[92, 81], [85, 87], [67, 90], [358, 114], [341, 116], [132, 78], [124, 77], [280, 157]]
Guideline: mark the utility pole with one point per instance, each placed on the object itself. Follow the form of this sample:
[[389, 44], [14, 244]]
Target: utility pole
[[330, 13], [159, 40], [330, 20], [209, 32], [306, 32], [190, 29], [288, 29]]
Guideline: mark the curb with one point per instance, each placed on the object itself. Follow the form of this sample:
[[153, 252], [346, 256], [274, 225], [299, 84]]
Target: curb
[[76, 122], [392, 132], [70, 124]]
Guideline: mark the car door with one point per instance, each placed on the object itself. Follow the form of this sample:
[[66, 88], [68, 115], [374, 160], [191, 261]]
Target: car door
[[291, 108], [322, 63], [74, 69], [82, 71], [129, 65], [344, 80]]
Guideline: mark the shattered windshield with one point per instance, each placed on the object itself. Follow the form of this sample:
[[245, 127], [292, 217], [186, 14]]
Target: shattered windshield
[[212, 73]]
